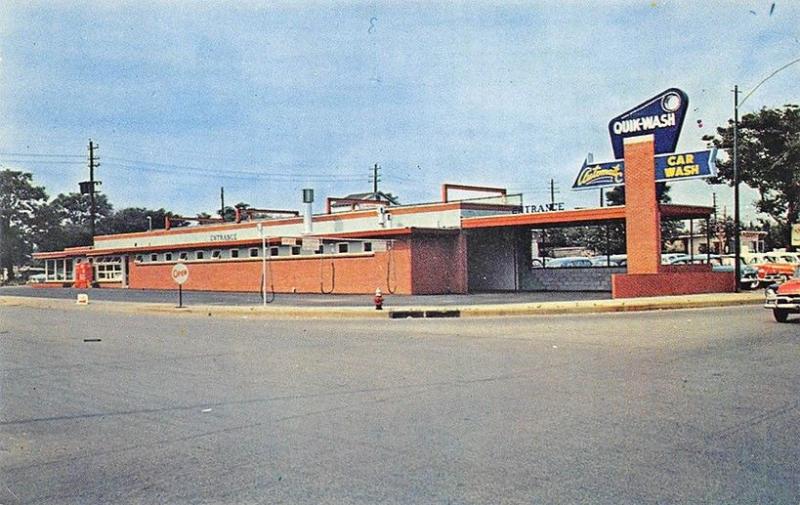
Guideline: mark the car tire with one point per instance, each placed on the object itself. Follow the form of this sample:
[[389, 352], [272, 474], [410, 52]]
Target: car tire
[[753, 285], [781, 315]]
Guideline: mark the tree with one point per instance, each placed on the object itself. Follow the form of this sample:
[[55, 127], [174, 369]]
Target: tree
[[670, 229], [134, 219], [616, 196], [769, 161], [20, 202], [73, 216], [229, 213]]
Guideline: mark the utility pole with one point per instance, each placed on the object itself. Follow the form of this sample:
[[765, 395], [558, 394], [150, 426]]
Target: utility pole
[[714, 196], [552, 192], [737, 247], [375, 180], [222, 203], [92, 166]]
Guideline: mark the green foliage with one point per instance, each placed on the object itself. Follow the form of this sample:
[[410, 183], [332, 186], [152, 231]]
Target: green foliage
[[769, 161], [72, 214], [593, 238], [229, 213], [616, 195], [133, 219], [20, 203]]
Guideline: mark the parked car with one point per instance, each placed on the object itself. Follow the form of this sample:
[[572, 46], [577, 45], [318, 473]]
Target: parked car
[[770, 272], [36, 278], [606, 261], [748, 274], [671, 258], [569, 262], [784, 299]]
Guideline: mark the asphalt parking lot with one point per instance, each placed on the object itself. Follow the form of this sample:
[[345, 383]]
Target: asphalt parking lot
[[637, 408]]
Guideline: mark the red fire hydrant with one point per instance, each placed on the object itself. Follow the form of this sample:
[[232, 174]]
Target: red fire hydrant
[[378, 299]]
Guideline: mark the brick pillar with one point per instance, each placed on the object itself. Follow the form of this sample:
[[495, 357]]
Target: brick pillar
[[642, 215]]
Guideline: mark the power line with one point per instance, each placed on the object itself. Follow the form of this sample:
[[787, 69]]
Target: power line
[[42, 155], [39, 162], [231, 174], [216, 172]]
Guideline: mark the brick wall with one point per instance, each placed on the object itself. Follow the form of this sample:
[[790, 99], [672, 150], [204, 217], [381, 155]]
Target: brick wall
[[568, 279], [439, 264], [671, 283], [389, 271]]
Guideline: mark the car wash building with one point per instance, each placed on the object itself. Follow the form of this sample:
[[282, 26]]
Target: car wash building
[[462, 246]]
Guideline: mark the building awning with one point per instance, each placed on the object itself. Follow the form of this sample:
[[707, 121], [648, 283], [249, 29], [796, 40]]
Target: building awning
[[578, 217]]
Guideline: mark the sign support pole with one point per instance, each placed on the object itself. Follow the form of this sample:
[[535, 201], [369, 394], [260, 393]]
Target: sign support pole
[[642, 214], [180, 296], [737, 244]]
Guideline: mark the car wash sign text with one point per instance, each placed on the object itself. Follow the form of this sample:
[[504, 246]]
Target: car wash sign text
[[669, 168], [662, 116]]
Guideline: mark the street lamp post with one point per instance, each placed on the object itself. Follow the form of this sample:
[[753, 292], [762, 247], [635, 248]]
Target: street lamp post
[[149, 223], [737, 241], [263, 265], [737, 245]]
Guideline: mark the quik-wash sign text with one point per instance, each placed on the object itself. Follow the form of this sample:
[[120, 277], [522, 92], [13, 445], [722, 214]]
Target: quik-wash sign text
[[662, 116]]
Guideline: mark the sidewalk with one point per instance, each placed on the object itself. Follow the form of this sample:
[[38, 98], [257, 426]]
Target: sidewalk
[[400, 311]]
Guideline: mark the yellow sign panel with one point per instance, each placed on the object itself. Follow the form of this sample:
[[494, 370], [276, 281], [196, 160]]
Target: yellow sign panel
[[796, 234]]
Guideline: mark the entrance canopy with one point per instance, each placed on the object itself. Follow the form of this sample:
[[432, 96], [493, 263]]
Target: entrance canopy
[[579, 217]]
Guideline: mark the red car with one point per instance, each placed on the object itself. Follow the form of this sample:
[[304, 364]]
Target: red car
[[775, 272], [784, 299]]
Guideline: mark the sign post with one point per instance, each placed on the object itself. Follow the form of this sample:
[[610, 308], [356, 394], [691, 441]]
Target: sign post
[[260, 228], [180, 274]]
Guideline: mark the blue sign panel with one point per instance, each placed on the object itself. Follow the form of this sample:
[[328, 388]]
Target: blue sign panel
[[661, 116], [669, 167], [600, 175]]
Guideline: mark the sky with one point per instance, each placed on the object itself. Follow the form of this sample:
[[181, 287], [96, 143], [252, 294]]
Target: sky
[[267, 98]]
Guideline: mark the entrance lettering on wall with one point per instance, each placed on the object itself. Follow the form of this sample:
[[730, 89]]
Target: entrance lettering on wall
[[544, 207], [222, 237]]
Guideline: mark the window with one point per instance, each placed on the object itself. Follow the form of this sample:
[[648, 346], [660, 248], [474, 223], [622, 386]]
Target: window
[[343, 248], [199, 255], [109, 268], [274, 251], [139, 258], [167, 256], [184, 255], [367, 246], [217, 254], [254, 252], [234, 253], [295, 250], [154, 257]]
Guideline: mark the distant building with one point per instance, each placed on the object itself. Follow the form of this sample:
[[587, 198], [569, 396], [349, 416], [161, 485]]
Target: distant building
[[751, 241], [356, 201]]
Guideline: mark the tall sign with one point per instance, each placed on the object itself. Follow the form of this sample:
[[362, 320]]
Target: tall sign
[[662, 116], [669, 168], [796, 234]]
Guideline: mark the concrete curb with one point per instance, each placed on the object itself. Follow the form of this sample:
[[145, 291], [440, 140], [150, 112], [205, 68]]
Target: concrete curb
[[496, 310]]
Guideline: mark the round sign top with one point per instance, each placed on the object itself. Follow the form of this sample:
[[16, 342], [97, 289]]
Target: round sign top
[[180, 273]]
